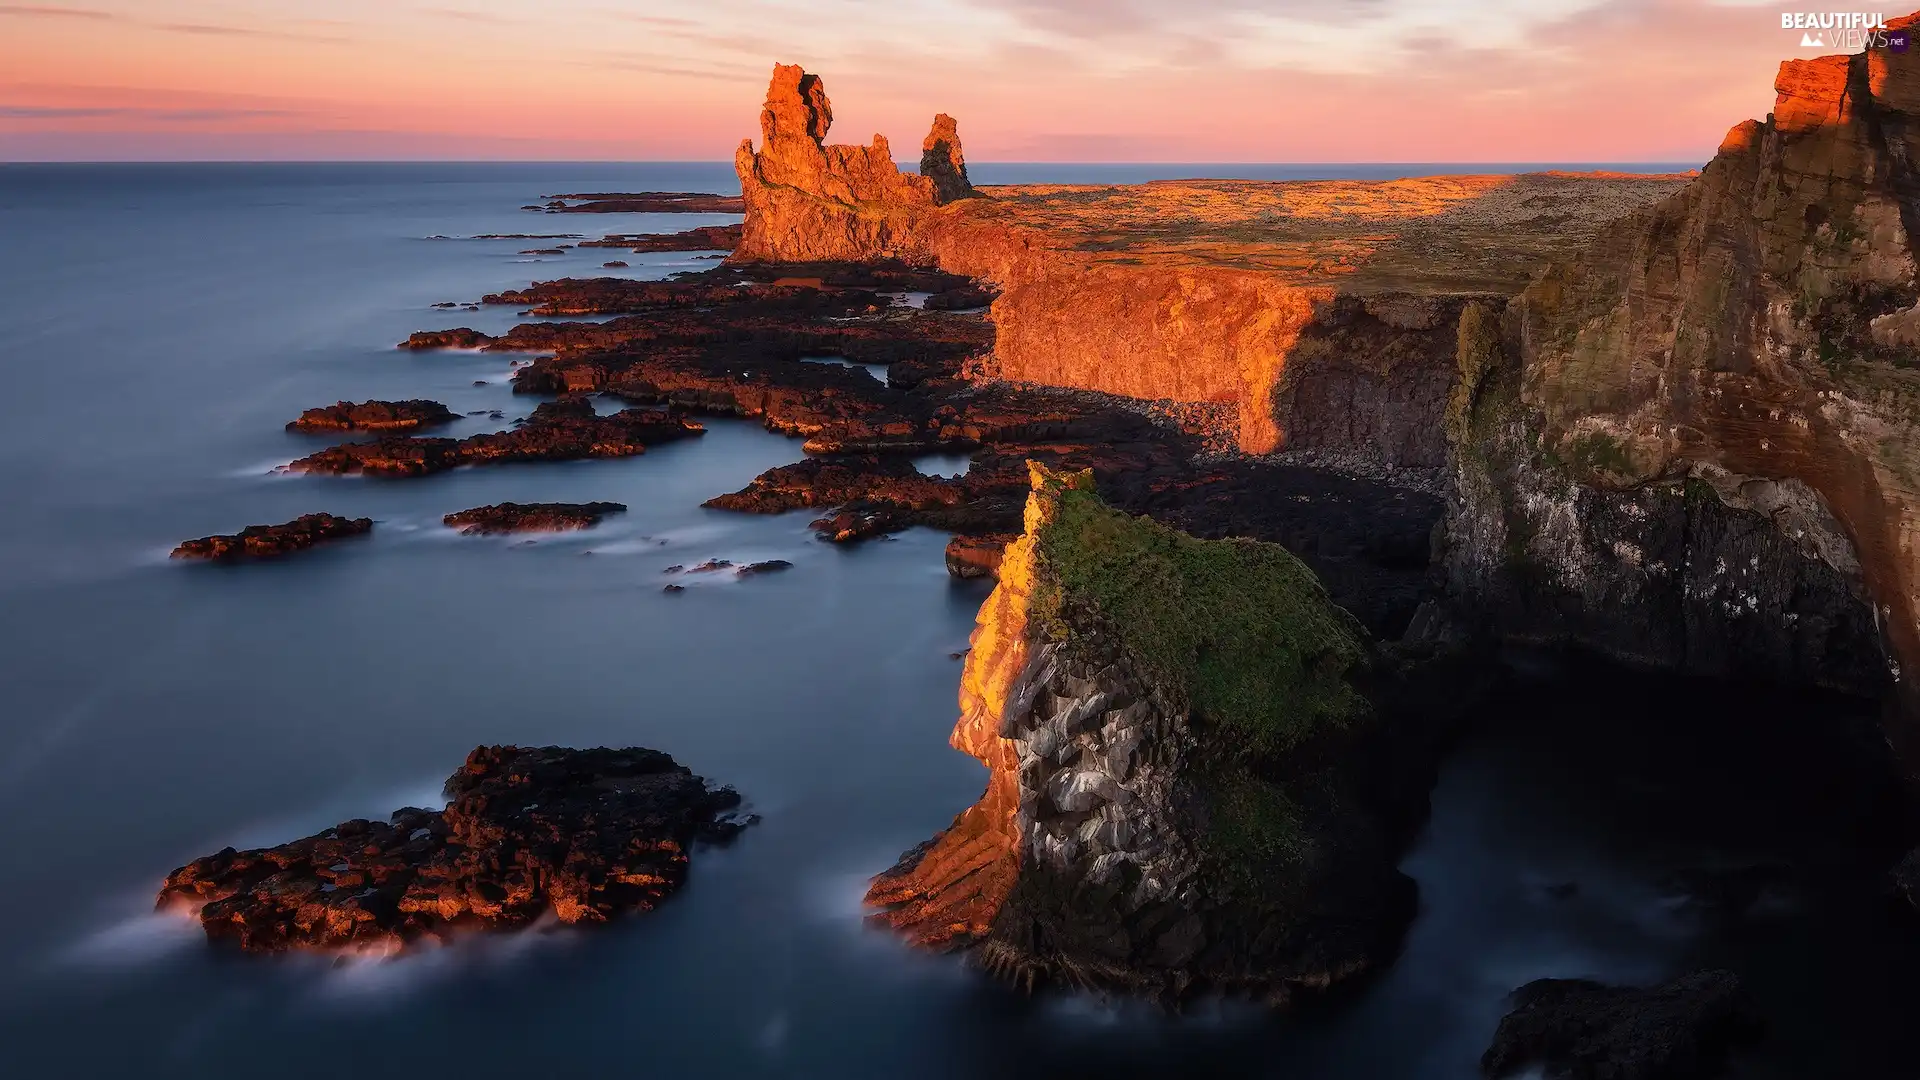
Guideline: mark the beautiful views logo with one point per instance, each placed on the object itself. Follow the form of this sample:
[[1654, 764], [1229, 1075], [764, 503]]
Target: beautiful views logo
[[1844, 31]]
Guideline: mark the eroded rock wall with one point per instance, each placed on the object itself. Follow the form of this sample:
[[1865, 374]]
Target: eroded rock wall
[[1748, 334]]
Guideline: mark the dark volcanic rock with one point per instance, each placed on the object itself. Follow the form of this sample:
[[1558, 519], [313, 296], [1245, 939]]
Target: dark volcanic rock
[[616, 264], [464, 337], [977, 556], [967, 296], [703, 238], [374, 416], [647, 202], [510, 517], [585, 834], [1585, 1030], [768, 567], [563, 430], [833, 481], [261, 541], [1906, 878]]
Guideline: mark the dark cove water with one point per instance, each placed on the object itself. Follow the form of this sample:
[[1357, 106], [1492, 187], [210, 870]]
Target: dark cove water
[[164, 322]]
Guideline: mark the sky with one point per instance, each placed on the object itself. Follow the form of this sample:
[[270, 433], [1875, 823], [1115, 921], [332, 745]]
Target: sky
[[1029, 80]]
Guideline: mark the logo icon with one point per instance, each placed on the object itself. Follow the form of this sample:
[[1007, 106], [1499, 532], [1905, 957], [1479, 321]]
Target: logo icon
[[1812, 41]]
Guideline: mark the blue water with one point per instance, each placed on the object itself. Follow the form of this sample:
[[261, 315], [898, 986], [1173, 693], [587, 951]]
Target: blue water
[[164, 322]]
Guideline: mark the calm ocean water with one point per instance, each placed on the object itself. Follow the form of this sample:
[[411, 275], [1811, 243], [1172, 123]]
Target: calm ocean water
[[164, 322]]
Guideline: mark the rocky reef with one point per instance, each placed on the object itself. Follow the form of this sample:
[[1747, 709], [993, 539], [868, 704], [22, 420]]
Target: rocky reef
[[641, 202], [1188, 788], [583, 834], [374, 416], [700, 238], [563, 430], [266, 541], [511, 517]]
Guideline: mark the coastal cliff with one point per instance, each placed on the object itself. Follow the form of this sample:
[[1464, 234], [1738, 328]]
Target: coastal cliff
[[1188, 785], [1695, 443], [1265, 299]]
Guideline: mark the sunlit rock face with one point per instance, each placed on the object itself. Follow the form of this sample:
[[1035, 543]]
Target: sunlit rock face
[[1741, 354], [1304, 311], [1187, 790]]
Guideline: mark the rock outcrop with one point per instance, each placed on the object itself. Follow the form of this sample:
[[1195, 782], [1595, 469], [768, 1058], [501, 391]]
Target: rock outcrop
[[1186, 787], [642, 202], [942, 162], [266, 541], [374, 416], [563, 430], [1577, 1028], [510, 517], [1695, 441], [583, 834]]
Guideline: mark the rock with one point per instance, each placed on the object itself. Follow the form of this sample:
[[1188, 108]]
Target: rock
[[265, 541], [673, 589], [767, 567], [942, 162], [964, 297], [461, 338], [859, 521], [583, 834], [564, 430], [614, 265], [701, 238], [1188, 792], [1906, 878], [374, 416], [977, 556], [647, 202], [509, 517], [1587, 1031], [544, 251], [1697, 435]]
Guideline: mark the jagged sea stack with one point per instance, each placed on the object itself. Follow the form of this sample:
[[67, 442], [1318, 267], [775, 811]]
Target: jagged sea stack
[[1187, 789]]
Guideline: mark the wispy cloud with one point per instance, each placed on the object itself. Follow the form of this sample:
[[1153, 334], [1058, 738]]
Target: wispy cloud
[[41, 11], [132, 112]]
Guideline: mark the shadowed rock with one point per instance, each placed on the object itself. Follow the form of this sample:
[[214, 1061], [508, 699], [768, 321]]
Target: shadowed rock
[[1583, 1030], [265, 541], [510, 517], [564, 430], [374, 416]]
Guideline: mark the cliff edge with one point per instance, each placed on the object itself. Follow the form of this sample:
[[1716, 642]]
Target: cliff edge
[[1187, 785]]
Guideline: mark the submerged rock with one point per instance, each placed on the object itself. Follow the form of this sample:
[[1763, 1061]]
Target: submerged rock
[[511, 517], [1586, 1030], [583, 834], [263, 541], [374, 416], [1188, 789]]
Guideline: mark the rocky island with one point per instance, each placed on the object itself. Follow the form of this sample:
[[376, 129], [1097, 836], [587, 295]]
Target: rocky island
[[583, 834], [267, 541], [510, 517]]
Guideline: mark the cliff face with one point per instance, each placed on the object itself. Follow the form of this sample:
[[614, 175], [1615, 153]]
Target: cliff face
[[1182, 790], [1754, 333], [1196, 291]]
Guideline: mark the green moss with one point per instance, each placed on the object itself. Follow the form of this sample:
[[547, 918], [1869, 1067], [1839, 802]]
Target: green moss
[[1241, 630], [1254, 827]]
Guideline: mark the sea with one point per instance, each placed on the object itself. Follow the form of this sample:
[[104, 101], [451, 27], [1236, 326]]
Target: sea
[[162, 323]]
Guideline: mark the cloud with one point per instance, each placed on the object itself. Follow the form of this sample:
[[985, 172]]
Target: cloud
[[133, 112], [33, 11]]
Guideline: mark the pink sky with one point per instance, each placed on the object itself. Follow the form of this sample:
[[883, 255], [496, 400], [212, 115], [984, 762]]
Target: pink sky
[[1030, 80]]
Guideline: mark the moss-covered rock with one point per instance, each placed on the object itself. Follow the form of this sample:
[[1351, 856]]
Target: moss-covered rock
[[1192, 783]]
